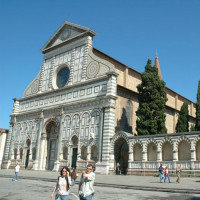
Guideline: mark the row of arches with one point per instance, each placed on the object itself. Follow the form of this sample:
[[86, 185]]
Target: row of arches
[[166, 151], [84, 152], [19, 154], [86, 118], [139, 150]]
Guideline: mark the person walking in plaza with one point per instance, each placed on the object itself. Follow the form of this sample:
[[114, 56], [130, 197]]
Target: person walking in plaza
[[74, 175], [86, 190], [161, 171], [166, 174], [117, 168], [178, 173], [62, 185], [17, 167]]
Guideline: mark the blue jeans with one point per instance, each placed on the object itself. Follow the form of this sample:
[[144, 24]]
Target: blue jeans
[[167, 176], [15, 176], [73, 182], [86, 198], [63, 197], [161, 177]]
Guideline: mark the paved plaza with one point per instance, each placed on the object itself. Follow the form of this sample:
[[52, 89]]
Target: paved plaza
[[40, 184]]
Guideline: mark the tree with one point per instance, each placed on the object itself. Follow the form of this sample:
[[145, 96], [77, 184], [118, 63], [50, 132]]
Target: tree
[[197, 127], [183, 119], [152, 99]]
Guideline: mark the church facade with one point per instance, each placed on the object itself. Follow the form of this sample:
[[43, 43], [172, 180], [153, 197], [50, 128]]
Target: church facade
[[81, 108]]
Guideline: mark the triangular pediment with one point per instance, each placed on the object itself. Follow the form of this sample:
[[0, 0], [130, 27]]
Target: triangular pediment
[[66, 33]]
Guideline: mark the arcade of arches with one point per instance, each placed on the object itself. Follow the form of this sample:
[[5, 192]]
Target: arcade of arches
[[71, 154], [135, 154]]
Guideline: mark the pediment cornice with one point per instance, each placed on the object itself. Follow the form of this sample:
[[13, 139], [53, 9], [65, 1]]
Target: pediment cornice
[[67, 33]]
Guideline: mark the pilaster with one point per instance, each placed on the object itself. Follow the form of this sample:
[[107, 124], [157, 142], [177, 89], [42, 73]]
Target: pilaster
[[144, 152], [108, 133], [175, 154], [159, 153], [15, 106], [12, 127], [88, 153], [112, 84], [58, 157], [193, 154], [130, 155], [36, 162]]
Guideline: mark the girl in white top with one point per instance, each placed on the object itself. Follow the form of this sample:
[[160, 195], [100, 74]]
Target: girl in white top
[[17, 167], [62, 185]]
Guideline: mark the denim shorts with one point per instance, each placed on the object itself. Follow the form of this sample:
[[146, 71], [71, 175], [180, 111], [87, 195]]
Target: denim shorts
[[62, 197]]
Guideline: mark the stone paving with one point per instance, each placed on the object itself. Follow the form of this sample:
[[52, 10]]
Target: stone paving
[[187, 184]]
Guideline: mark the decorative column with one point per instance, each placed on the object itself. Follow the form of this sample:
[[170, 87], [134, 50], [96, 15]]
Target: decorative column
[[12, 124], [57, 162], [159, 155], [43, 152], [88, 153], [30, 153], [69, 156], [101, 135], [144, 155], [112, 161], [18, 153], [130, 156], [107, 135], [175, 154], [193, 154], [36, 162]]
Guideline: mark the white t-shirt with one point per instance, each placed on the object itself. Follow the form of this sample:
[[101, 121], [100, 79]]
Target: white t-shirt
[[62, 186], [17, 168]]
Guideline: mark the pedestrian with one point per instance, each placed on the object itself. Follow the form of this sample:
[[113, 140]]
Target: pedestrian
[[85, 189], [166, 173], [74, 175], [62, 185], [161, 171], [117, 168], [178, 173], [17, 167]]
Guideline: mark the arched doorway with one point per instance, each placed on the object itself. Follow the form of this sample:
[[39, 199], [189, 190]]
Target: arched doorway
[[121, 154], [28, 143], [52, 135], [74, 150]]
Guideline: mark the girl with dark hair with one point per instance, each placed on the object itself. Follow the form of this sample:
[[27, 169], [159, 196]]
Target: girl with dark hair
[[62, 185]]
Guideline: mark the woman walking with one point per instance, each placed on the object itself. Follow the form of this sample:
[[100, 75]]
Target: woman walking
[[178, 173], [62, 185], [166, 172]]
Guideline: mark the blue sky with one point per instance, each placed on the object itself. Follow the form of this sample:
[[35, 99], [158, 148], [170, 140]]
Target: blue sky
[[128, 30]]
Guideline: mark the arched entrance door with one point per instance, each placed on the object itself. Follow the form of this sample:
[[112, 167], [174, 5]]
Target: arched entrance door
[[74, 150], [121, 154], [28, 143], [52, 135]]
